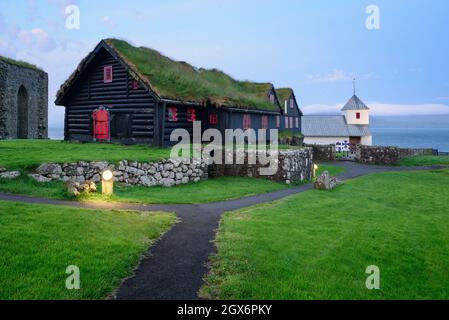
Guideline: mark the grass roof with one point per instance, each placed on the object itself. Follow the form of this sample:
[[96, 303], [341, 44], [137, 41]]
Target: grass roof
[[19, 63], [180, 81], [284, 94]]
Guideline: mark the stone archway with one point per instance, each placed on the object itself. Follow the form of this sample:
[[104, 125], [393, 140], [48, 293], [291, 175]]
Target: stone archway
[[22, 113]]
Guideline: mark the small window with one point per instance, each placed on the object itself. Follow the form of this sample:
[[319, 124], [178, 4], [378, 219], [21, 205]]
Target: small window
[[278, 121], [172, 114], [264, 122], [272, 98], [297, 123], [213, 118], [107, 74], [135, 85], [357, 115], [291, 122], [191, 115], [246, 121], [292, 103], [286, 122]]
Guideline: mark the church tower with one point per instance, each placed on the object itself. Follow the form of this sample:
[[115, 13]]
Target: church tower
[[355, 111]]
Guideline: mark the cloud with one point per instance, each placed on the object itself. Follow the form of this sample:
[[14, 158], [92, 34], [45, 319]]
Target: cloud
[[337, 76], [383, 109], [35, 38], [108, 22]]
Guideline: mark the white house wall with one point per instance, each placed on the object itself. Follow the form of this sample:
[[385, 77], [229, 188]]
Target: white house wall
[[341, 143], [367, 141], [351, 117]]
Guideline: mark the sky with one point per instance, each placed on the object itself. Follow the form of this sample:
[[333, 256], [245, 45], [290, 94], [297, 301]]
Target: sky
[[398, 53]]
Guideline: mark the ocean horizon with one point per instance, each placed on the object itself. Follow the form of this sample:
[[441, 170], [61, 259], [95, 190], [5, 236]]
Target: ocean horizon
[[428, 131]]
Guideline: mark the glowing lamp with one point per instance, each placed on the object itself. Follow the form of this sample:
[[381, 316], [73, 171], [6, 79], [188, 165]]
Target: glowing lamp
[[315, 169], [107, 182]]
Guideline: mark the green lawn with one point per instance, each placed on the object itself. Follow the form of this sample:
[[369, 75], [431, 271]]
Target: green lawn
[[317, 245], [38, 243], [212, 190], [28, 154], [333, 170], [425, 161]]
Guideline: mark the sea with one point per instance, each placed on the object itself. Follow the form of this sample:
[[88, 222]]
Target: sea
[[412, 131], [402, 131]]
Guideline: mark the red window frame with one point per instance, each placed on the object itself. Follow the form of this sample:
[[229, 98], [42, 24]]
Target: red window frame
[[135, 85], [172, 114], [107, 74], [264, 122], [246, 121], [191, 114], [213, 118], [358, 115], [278, 121]]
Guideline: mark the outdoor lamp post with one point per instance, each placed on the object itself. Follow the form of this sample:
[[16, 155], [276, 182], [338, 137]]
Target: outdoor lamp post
[[315, 168], [107, 182]]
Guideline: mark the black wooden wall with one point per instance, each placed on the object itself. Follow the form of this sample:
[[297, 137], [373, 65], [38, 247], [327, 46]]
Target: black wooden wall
[[291, 113], [132, 111]]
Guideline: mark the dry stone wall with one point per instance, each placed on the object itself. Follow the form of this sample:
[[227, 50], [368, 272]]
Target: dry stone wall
[[292, 166], [165, 173], [323, 152], [378, 155]]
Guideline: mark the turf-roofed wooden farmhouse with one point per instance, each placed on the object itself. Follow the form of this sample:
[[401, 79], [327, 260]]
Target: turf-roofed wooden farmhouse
[[122, 93]]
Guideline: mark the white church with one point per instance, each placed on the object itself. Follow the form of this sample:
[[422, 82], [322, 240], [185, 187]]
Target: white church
[[350, 128]]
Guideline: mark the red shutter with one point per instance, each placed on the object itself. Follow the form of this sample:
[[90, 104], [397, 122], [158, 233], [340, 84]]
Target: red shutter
[[357, 115], [264, 122], [107, 74], [172, 114], [246, 121], [191, 115], [213, 118], [135, 85]]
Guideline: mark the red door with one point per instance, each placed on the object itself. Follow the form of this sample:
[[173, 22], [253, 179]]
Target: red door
[[101, 124]]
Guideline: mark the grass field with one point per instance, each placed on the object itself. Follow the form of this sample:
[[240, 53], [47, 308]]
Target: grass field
[[38, 243], [212, 190], [425, 161], [317, 245], [28, 154], [333, 170]]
